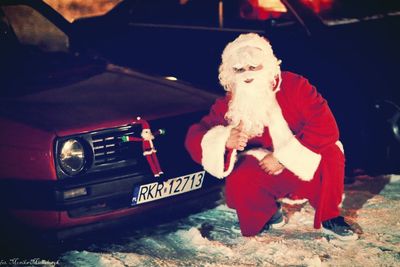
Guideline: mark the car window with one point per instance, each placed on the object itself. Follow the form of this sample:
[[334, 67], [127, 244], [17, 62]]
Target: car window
[[202, 14], [172, 12], [256, 14], [31, 28], [352, 11]]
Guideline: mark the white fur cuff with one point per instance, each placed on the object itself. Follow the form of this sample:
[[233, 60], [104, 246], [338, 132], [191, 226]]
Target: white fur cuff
[[213, 151], [299, 159], [259, 154]]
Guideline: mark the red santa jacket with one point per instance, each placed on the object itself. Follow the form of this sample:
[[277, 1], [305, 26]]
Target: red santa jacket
[[298, 132]]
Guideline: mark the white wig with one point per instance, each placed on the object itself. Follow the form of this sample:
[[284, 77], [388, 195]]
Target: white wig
[[238, 54]]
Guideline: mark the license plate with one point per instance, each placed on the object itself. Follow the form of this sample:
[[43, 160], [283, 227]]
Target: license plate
[[174, 186]]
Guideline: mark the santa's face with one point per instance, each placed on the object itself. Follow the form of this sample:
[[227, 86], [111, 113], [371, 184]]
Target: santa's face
[[247, 73], [146, 134]]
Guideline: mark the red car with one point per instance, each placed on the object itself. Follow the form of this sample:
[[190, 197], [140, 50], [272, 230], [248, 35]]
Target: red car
[[74, 152]]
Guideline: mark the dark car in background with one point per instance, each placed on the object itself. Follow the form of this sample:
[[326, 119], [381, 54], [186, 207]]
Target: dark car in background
[[347, 49], [65, 119]]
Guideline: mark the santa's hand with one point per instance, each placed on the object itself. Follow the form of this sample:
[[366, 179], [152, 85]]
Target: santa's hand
[[237, 138], [271, 165]]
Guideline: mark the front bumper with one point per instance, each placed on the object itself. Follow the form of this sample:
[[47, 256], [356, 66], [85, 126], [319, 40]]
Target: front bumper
[[42, 204]]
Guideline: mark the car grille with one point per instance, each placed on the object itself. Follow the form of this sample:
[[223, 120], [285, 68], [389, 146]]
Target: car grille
[[108, 147]]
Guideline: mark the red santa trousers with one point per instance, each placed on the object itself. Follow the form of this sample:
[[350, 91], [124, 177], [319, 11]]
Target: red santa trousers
[[253, 193]]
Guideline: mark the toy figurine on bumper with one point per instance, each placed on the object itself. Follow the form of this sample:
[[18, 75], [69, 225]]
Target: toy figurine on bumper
[[149, 150], [272, 136]]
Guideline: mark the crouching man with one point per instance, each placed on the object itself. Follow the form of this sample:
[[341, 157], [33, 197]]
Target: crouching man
[[272, 136]]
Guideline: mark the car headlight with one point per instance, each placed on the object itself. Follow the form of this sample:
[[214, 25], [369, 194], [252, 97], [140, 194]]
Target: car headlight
[[71, 157]]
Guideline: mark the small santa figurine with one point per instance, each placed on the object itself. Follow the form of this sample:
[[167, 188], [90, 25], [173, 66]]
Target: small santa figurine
[[149, 151]]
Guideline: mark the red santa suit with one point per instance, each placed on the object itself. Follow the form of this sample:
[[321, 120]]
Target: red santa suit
[[303, 136]]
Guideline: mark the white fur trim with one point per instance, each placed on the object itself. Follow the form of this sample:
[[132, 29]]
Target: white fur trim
[[341, 202], [259, 153], [213, 151], [288, 150], [299, 159], [278, 127], [340, 146], [293, 201]]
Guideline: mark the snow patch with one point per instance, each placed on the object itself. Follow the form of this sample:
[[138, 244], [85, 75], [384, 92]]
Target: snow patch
[[394, 178], [192, 238], [212, 238]]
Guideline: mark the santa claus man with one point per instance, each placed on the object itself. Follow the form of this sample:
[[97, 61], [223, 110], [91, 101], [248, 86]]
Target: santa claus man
[[271, 136]]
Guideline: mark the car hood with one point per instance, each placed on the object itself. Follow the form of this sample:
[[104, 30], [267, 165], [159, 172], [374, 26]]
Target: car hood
[[109, 99]]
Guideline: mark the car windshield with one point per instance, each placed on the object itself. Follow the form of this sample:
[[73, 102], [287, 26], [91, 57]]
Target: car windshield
[[75, 9], [35, 53], [334, 12]]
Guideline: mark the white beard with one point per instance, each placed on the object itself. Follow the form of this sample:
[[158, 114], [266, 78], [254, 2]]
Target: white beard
[[251, 102]]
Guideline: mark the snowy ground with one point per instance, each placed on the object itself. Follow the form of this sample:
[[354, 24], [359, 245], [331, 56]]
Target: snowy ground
[[212, 238]]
